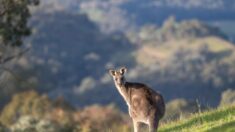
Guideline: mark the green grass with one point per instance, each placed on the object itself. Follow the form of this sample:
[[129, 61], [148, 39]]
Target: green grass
[[220, 120]]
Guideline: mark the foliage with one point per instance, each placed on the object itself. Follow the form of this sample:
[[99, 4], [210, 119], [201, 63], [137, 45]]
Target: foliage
[[61, 117], [3, 128], [97, 118], [108, 118], [14, 17], [13, 22], [30, 123], [25, 103], [227, 97], [30, 111]]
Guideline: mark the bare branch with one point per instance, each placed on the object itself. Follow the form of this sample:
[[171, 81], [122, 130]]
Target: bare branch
[[12, 73], [5, 60], [17, 77]]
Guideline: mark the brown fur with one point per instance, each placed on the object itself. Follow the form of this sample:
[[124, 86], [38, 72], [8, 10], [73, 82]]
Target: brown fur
[[145, 105]]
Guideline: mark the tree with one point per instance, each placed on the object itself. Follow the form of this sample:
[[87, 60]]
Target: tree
[[14, 15]]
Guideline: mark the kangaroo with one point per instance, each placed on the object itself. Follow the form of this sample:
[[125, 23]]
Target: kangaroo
[[144, 104]]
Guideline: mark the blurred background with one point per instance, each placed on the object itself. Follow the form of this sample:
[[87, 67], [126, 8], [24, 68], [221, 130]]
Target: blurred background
[[55, 56]]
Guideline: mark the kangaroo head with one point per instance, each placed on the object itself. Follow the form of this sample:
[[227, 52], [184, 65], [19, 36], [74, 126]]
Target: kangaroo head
[[118, 76]]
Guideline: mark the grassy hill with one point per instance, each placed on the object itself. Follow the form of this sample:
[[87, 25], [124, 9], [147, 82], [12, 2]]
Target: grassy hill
[[220, 120]]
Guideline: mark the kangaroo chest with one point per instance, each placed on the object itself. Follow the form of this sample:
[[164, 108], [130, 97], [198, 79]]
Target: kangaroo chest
[[139, 102]]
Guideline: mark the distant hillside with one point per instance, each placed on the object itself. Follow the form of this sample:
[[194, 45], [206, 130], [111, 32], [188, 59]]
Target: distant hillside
[[187, 58], [130, 13], [70, 57], [171, 29], [122, 15], [197, 55], [69, 48], [220, 120], [207, 4]]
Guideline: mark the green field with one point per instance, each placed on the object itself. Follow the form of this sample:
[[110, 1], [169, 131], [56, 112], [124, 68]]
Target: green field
[[220, 120]]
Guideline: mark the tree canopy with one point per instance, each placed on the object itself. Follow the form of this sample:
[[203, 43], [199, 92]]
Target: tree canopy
[[14, 15]]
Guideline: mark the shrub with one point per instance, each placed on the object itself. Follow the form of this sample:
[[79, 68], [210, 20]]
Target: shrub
[[97, 118], [25, 103], [32, 124], [228, 97]]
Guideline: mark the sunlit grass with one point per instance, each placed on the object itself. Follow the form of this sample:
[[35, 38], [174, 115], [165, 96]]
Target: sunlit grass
[[221, 120]]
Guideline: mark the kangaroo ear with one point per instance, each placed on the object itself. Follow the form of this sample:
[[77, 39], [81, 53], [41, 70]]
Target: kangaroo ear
[[112, 72], [123, 70]]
